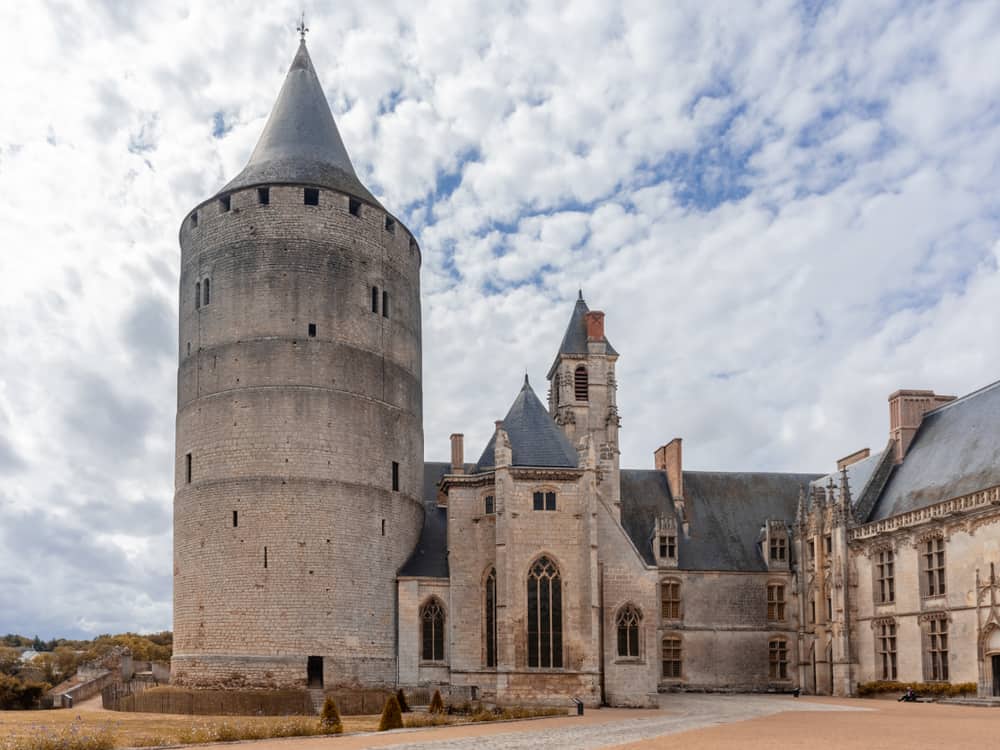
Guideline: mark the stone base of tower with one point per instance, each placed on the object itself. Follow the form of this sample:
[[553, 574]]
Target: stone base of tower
[[269, 671]]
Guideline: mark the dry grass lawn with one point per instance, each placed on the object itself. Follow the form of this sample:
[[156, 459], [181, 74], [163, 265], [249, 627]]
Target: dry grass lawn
[[135, 729]]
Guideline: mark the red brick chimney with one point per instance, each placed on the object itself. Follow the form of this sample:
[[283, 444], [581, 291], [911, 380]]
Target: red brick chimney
[[667, 458], [458, 453], [906, 412], [595, 325]]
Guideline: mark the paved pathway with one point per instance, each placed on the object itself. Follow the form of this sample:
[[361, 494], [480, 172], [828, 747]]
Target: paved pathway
[[598, 729]]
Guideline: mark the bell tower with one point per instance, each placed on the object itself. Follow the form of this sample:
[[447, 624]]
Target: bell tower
[[583, 393]]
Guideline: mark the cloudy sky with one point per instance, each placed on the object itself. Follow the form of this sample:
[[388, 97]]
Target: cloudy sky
[[787, 210]]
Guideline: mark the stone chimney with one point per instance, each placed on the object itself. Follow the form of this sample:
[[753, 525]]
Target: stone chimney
[[595, 325], [853, 458], [458, 453], [906, 412], [667, 459]]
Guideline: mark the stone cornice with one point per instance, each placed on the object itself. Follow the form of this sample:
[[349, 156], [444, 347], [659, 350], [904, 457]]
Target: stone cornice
[[981, 500]]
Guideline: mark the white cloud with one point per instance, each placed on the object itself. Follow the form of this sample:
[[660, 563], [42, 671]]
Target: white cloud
[[785, 215]]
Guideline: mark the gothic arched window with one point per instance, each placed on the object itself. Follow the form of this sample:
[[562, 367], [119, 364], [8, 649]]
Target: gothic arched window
[[581, 387], [432, 631], [544, 615], [490, 618], [627, 623]]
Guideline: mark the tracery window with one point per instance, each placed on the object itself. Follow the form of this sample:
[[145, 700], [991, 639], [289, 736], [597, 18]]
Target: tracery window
[[544, 615], [776, 602], [581, 387], [937, 649], [627, 622], [671, 657], [432, 631], [885, 577], [778, 659], [670, 599], [885, 647], [932, 561], [490, 618]]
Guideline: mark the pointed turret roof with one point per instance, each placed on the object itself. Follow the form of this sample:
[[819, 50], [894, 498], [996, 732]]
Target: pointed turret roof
[[300, 143], [535, 438], [575, 339]]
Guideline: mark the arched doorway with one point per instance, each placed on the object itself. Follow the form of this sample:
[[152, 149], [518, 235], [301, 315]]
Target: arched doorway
[[991, 661]]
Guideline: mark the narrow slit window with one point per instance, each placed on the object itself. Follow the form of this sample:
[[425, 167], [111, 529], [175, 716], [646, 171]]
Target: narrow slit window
[[311, 196], [354, 206], [236, 519], [265, 557], [264, 196], [197, 295], [383, 527], [375, 299], [194, 219], [189, 348], [312, 330], [187, 468], [224, 204], [385, 304], [390, 224], [395, 476], [206, 288]]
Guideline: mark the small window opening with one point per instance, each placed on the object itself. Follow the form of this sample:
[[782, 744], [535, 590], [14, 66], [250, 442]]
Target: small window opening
[[668, 546], [264, 196], [224, 204], [236, 519], [413, 245], [581, 389], [390, 224], [311, 196], [383, 527], [395, 476], [490, 505], [375, 299], [544, 500], [189, 348], [194, 219], [385, 304], [197, 295], [265, 557], [206, 288], [312, 330], [187, 468], [354, 206]]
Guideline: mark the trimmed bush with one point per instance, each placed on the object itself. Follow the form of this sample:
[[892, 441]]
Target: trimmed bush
[[403, 705], [329, 717], [392, 717], [920, 688], [437, 705]]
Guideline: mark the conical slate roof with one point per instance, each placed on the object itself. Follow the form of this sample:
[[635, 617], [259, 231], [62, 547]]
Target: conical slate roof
[[575, 339], [535, 439], [300, 143]]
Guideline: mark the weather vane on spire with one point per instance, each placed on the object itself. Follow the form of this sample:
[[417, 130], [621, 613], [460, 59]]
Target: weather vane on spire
[[302, 28]]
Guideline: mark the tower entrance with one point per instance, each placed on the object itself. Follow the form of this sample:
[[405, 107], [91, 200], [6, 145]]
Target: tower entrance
[[314, 671], [996, 674]]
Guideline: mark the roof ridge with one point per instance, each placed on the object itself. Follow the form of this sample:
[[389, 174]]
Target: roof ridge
[[962, 399]]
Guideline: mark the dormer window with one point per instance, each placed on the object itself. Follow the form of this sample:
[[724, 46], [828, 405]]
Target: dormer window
[[778, 551], [668, 546]]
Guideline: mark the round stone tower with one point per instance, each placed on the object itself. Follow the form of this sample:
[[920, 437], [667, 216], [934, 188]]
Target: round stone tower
[[299, 417]]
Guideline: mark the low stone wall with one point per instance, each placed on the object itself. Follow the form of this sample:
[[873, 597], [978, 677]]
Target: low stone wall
[[174, 700], [94, 685]]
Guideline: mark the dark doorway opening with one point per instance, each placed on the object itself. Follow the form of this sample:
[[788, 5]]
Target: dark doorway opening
[[996, 675], [314, 671]]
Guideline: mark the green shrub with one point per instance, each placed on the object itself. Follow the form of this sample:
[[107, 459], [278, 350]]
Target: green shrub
[[392, 717], [329, 717], [437, 705], [15, 694], [73, 737], [403, 705], [920, 688]]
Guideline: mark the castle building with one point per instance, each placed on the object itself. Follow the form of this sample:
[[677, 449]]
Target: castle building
[[314, 546]]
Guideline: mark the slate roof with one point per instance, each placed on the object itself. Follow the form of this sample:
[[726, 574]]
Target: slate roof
[[859, 474], [575, 339], [430, 557], [300, 143], [956, 451], [725, 512], [535, 438]]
